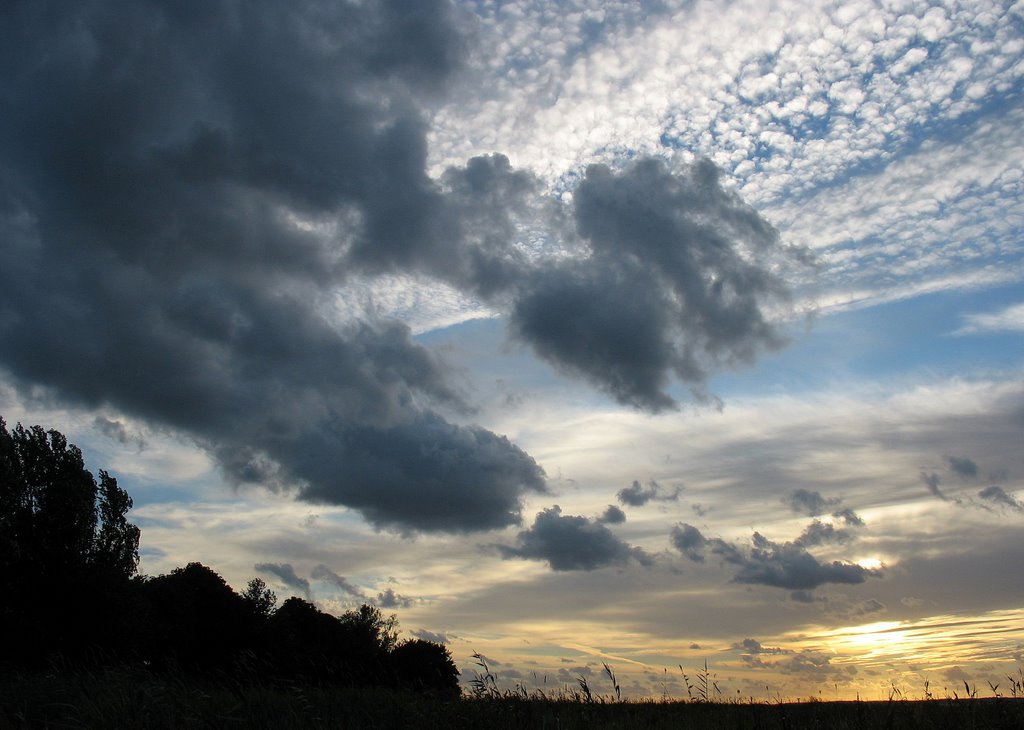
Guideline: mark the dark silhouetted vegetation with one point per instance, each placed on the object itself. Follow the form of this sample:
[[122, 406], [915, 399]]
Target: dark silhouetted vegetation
[[67, 553], [70, 598]]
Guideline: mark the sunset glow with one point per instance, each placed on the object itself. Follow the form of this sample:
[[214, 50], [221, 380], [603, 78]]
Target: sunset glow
[[656, 335]]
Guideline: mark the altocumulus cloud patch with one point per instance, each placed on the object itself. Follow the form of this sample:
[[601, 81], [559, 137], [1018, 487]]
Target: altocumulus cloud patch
[[185, 189]]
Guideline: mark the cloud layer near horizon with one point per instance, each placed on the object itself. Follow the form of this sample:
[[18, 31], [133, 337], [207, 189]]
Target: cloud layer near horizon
[[185, 190]]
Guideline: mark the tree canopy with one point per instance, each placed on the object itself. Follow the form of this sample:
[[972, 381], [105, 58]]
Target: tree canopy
[[69, 592], [55, 518]]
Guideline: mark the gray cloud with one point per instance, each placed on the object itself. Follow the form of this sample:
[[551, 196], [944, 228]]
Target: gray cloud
[[612, 516], [781, 565], [322, 572], [572, 542], [812, 504], [963, 466], [437, 638], [932, 481], [389, 599], [851, 518], [150, 206], [118, 432], [688, 540], [286, 574], [184, 189], [753, 647], [676, 283], [822, 533], [790, 566], [637, 495], [805, 662], [998, 496]]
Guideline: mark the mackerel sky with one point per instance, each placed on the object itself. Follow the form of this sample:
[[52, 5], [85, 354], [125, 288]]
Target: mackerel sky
[[647, 333]]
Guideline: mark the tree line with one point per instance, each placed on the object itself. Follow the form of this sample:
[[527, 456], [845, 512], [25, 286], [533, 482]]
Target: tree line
[[71, 596]]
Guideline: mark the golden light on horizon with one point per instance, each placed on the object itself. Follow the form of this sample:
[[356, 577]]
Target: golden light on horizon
[[933, 642]]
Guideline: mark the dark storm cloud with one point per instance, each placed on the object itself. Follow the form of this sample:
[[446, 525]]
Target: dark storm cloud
[[322, 572], [998, 496], [423, 472], [184, 186], [636, 495], [676, 283], [286, 574], [572, 542], [812, 504], [781, 565], [963, 466]]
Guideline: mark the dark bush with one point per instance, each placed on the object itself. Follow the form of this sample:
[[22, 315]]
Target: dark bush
[[196, 621], [427, 667]]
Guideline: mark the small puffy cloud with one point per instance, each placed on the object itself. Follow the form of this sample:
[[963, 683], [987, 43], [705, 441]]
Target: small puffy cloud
[[963, 466], [572, 542], [812, 504], [286, 574], [612, 516], [637, 495], [389, 599], [998, 496]]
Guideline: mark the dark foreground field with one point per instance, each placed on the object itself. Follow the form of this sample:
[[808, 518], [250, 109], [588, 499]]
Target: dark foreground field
[[123, 700]]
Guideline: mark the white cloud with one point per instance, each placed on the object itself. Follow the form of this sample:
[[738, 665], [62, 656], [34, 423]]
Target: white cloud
[[1010, 319]]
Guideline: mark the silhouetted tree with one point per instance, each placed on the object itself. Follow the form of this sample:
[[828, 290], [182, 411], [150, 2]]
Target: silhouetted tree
[[197, 622], [67, 550], [260, 599], [425, 666], [306, 644]]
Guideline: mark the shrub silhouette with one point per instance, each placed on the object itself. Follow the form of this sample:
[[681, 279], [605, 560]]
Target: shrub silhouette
[[424, 666]]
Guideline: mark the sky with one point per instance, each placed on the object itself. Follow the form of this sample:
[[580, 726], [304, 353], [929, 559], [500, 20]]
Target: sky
[[572, 333]]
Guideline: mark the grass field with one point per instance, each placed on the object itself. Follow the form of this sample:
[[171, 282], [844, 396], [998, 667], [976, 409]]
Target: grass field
[[135, 700]]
